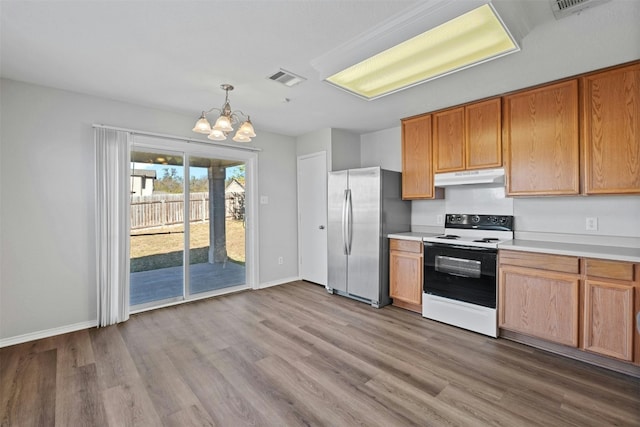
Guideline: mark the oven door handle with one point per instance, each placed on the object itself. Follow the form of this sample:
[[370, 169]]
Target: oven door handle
[[459, 275]]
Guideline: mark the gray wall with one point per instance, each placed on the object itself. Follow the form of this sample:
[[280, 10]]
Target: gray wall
[[345, 150], [342, 147], [382, 149], [315, 142], [47, 265]]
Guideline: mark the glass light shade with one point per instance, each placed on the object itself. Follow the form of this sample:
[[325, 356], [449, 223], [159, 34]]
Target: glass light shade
[[202, 125], [247, 129], [223, 124], [217, 135], [470, 39], [241, 138]]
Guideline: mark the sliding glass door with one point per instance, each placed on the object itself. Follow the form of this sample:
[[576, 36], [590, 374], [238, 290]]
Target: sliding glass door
[[185, 200], [216, 233], [157, 227]]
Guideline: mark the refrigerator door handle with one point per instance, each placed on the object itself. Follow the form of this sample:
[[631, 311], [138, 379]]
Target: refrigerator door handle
[[349, 222], [344, 222]]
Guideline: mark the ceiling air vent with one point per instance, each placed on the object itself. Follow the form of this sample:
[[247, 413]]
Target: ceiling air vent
[[287, 78], [564, 8]]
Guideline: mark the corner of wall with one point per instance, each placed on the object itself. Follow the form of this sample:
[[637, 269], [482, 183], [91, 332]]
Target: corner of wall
[[345, 150]]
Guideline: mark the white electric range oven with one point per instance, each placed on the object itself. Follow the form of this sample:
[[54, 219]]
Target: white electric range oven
[[460, 271]]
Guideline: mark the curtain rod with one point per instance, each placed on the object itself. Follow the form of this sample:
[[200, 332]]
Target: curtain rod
[[178, 138]]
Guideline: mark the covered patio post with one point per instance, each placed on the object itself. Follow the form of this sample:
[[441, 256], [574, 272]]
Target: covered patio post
[[217, 224]]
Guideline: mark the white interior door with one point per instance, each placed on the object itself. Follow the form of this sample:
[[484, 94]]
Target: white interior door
[[312, 217]]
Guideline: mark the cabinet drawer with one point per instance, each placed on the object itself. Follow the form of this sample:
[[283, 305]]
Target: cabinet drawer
[[406, 245], [609, 269], [565, 264]]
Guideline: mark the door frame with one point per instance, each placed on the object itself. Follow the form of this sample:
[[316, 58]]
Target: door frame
[[250, 158]]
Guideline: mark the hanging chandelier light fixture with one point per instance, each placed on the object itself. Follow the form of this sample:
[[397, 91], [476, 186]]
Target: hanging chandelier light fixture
[[225, 122]]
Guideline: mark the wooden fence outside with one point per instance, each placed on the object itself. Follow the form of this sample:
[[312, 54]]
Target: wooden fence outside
[[168, 209]]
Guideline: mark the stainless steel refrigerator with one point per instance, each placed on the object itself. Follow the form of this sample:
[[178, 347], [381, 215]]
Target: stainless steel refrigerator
[[364, 206]]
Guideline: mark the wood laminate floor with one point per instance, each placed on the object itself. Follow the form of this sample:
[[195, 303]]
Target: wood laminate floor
[[293, 355]]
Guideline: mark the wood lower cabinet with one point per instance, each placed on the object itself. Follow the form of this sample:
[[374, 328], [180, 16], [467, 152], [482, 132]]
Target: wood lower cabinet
[[541, 140], [608, 319], [587, 303], [608, 313], [611, 131], [405, 273], [540, 303]]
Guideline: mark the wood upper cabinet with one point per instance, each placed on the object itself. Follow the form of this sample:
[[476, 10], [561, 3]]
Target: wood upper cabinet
[[541, 140], [448, 140], [608, 312], [405, 274], [483, 132], [611, 131], [417, 172], [468, 137], [542, 302]]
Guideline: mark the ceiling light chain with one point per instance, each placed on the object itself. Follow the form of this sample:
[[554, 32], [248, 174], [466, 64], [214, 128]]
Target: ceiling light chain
[[225, 121]]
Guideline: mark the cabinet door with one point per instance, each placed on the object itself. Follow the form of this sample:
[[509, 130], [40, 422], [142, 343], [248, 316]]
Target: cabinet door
[[608, 319], [611, 131], [483, 131], [541, 140], [542, 304], [417, 175], [405, 276], [448, 140]]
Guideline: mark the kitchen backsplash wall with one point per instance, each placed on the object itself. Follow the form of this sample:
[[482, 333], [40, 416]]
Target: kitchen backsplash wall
[[426, 215], [540, 218], [480, 199], [618, 219]]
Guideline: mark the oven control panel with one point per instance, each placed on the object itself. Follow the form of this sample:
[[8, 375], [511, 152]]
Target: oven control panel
[[480, 222]]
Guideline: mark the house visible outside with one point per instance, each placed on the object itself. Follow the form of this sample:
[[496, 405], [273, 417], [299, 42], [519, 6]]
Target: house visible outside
[[142, 182], [234, 199]]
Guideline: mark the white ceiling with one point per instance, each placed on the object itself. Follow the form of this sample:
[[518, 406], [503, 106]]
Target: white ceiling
[[174, 55]]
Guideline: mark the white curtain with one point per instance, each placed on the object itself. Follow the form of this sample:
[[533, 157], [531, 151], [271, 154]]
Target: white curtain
[[112, 224]]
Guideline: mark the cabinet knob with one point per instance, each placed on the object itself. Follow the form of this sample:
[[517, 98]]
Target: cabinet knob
[[321, 227]]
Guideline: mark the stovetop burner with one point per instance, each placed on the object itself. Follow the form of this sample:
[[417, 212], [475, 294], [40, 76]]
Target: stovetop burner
[[479, 231], [488, 240], [449, 237]]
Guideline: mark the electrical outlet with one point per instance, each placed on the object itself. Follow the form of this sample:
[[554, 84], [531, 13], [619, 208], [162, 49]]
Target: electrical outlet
[[280, 260], [592, 223], [440, 219]]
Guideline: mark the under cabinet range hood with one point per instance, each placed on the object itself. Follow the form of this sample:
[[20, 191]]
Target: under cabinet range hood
[[482, 176]]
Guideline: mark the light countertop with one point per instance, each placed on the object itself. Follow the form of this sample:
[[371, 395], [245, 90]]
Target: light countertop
[[412, 235], [615, 253]]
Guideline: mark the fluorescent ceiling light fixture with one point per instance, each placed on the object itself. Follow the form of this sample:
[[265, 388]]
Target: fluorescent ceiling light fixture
[[472, 38]]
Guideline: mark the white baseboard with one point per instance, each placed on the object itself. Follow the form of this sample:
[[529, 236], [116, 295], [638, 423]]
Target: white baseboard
[[31, 336], [277, 282]]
